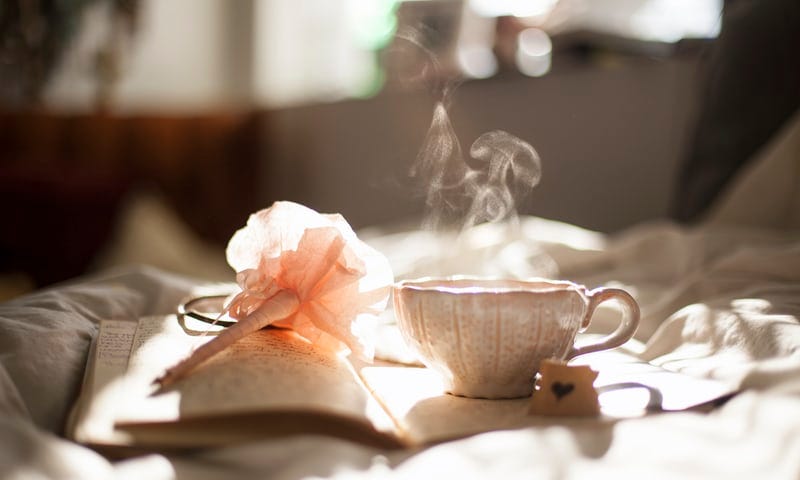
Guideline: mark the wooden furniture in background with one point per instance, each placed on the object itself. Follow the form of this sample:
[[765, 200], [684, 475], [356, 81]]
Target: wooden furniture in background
[[64, 177]]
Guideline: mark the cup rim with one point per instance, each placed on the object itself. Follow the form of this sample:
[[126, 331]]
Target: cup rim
[[470, 284]]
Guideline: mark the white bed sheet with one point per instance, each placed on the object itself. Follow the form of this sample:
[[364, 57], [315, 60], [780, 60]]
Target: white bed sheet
[[721, 300]]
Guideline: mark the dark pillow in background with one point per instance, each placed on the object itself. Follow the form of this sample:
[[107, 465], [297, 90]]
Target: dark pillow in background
[[752, 88]]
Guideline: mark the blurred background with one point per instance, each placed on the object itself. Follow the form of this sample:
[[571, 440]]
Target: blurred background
[[144, 131]]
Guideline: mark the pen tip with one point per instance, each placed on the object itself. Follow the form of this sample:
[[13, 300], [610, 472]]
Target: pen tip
[[162, 383]]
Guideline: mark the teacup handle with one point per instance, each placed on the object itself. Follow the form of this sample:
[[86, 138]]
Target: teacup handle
[[627, 326]]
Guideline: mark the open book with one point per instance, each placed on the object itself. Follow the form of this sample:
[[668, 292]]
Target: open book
[[275, 383]]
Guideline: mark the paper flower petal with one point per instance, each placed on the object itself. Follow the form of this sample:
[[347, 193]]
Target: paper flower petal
[[339, 280]]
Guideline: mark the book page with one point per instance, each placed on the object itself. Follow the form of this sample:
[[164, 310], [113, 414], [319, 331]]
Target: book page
[[271, 371], [93, 416], [415, 398]]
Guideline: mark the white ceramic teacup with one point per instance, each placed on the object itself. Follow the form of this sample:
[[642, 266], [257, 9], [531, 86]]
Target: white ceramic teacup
[[487, 337]]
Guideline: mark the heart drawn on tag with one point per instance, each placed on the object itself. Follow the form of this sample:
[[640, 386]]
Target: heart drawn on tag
[[561, 390]]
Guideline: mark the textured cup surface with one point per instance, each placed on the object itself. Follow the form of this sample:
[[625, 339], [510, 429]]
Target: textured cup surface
[[486, 338]]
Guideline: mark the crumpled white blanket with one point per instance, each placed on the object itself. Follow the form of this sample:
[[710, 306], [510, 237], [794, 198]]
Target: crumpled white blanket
[[720, 300]]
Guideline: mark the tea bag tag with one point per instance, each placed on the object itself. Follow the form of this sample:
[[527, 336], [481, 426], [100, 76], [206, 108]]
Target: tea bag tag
[[565, 390]]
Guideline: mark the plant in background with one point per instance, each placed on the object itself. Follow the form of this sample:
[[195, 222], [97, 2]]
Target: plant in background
[[34, 36]]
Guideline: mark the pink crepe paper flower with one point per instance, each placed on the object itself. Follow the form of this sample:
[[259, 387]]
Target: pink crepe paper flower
[[302, 270]]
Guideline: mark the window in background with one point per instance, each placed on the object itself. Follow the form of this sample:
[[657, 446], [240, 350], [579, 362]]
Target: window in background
[[319, 50], [279, 53]]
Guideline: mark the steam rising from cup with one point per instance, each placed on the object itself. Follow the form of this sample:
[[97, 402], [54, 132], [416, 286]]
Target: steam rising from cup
[[509, 169], [460, 194], [471, 225]]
